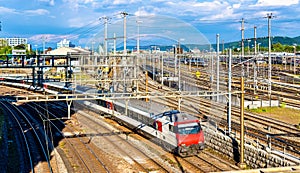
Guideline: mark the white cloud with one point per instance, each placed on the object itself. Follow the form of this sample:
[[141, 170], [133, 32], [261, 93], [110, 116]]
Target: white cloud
[[236, 6], [49, 37], [88, 1], [206, 10], [276, 2], [4, 10], [36, 12], [80, 22], [119, 2], [51, 2], [142, 12], [225, 13]]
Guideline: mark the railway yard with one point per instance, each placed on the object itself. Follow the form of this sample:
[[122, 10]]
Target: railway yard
[[37, 135]]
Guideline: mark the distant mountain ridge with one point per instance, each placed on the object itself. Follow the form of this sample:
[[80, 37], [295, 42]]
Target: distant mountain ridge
[[263, 41]]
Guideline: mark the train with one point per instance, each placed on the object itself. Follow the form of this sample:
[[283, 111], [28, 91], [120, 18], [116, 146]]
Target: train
[[176, 131], [49, 87]]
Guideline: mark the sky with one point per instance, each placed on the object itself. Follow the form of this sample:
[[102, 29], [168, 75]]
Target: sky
[[83, 21]]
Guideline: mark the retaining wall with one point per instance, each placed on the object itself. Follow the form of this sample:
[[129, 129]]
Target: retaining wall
[[255, 156]]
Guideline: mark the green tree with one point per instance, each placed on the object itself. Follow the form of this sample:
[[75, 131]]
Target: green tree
[[5, 50], [21, 46], [277, 47]]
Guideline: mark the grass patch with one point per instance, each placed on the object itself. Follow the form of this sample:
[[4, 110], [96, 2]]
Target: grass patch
[[288, 115], [62, 144]]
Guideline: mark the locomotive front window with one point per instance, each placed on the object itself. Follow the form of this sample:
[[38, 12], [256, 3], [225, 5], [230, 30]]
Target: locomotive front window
[[189, 129]]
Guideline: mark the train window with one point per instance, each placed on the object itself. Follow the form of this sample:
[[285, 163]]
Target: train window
[[200, 128], [189, 129], [167, 118], [171, 128]]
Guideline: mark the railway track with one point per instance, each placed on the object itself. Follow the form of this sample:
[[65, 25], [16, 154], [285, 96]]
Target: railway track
[[188, 166], [139, 159], [217, 112], [35, 154], [84, 158], [288, 93]]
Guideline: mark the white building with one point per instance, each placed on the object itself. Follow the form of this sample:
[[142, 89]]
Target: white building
[[64, 43], [16, 41], [18, 52], [69, 51]]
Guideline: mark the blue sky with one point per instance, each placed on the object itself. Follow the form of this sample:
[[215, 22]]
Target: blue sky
[[78, 20]]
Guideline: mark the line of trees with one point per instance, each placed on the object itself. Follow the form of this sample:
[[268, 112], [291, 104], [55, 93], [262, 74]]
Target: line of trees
[[276, 47], [7, 50]]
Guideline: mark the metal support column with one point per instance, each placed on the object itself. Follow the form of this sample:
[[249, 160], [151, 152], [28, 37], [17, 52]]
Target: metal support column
[[179, 103], [126, 107], [162, 70], [136, 73], [33, 77], [69, 103], [229, 93], [242, 164], [269, 16], [218, 66], [146, 77], [255, 74]]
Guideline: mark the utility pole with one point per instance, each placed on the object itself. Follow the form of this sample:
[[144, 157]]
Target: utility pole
[[218, 65], [242, 32], [138, 36], [229, 93], [242, 45], [222, 46], [212, 67], [242, 133], [124, 14], [255, 51], [269, 16], [105, 19], [295, 51], [255, 62]]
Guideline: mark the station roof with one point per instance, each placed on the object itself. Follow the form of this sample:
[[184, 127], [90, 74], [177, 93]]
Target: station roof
[[69, 50]]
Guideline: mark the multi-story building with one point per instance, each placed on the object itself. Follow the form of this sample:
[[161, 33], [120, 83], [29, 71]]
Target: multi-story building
[[16, 41]]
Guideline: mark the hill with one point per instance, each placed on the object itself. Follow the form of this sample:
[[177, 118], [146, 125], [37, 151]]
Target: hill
[[264, 42]]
